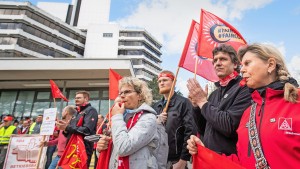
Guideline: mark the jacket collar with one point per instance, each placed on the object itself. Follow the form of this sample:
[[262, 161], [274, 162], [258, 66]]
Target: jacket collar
[[82, 107], [163, 101], [273, 90]]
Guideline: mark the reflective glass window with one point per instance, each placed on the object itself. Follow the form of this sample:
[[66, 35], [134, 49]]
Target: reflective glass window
[[39, 107], [104, 107], [43, 95], [15, 12], [8, 11], [7, 102], [24, 103]]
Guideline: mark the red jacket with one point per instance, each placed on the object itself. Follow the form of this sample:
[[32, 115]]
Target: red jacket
[[279, 126]]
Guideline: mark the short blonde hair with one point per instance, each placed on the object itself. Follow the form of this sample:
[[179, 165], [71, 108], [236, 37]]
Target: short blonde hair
[[265, 52], [70, 109], [139, 86]]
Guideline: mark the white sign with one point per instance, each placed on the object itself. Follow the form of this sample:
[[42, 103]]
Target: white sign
[[23, 152], [48, 124]]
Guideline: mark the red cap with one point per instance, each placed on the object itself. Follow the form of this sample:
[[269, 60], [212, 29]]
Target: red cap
[[8, 118]]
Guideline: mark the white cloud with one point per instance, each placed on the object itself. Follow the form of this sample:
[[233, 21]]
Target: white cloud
[[239, 6], [293, 67], [280, 46], [181, 86], [169, 20]]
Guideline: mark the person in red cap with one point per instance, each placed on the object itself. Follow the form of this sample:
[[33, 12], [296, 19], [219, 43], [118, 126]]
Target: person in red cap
[[6, 130]]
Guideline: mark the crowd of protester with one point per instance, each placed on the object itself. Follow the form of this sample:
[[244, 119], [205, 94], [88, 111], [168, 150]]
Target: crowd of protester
[[252, 118]]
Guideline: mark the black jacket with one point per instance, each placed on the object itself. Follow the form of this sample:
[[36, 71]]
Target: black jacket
[[179, 126], [219, 118], [88, 128]]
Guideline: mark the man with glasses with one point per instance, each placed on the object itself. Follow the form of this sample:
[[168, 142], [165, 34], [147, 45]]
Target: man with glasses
[[90, 118], [35, 127], [178, 121], [6, 130]]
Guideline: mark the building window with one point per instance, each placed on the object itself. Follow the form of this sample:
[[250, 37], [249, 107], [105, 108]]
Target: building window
[[24, 104], [7, 102], [107, 35]]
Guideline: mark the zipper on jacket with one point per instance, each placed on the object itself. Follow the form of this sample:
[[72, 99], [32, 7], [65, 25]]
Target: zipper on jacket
[[176, 139], [249, 149], [262, 114]]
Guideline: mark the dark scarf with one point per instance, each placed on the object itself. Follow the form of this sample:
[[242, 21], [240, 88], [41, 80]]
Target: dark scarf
[[82, 107]]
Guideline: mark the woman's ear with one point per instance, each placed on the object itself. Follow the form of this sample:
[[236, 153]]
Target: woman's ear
[[271, 65]]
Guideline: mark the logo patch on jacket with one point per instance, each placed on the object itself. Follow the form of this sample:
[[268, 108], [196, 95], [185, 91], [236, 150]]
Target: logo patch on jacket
[[285, 123]]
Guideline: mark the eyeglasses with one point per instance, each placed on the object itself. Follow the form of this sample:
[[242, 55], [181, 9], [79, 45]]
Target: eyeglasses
[[126, 92], [76, 98]]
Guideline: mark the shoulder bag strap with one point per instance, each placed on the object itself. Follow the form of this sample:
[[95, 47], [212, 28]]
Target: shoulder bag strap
[[261, 162]]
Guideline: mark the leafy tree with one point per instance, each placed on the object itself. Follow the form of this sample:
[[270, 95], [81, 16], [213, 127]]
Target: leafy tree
[[153, 85]]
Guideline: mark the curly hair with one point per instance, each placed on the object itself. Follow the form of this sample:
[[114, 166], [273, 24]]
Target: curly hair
[[265, 52], [139, 86]]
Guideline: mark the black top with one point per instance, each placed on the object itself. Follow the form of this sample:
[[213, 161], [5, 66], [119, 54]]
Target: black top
[[88, 127], [179, 126], [219, 118]]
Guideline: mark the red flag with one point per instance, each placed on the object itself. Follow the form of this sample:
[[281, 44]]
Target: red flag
[[208, 159], [114, 78], [215, 31], [56, 93], [189, 55], [104, 157], [74, 155]]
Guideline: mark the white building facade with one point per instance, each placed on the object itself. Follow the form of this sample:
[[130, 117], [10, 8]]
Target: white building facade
[[70, 47]]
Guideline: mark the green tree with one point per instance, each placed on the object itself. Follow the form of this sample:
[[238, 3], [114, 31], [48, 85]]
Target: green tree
[[153, 85]]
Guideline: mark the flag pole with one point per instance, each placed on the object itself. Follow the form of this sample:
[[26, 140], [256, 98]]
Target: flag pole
[[101, 126], [43, 140], [196, 66], [171, 91], [109, 114]]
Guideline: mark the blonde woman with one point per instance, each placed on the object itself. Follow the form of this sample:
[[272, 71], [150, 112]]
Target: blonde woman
[[269, 131], [133, 128]]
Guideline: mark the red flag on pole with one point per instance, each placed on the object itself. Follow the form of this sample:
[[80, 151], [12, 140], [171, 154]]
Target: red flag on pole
[[189, 56], [215, 31], [56, 93], [208, 159], [114, 78], [74, 155]]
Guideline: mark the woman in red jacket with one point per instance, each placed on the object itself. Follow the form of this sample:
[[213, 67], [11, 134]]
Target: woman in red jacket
[[269, 131]]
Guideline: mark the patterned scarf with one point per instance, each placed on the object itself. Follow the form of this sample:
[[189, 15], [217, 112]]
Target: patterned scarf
[[224, 81]]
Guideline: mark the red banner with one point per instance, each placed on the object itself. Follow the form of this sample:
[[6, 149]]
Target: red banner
[[114, 78], [208, 159], [215, 31], [56, 93], [189, 56], [104, 157], [74, 155]]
